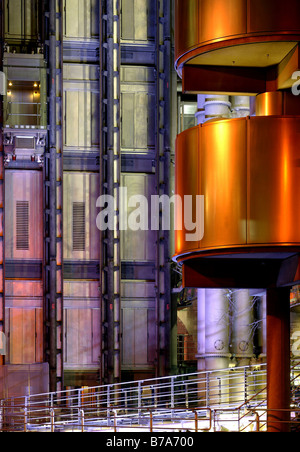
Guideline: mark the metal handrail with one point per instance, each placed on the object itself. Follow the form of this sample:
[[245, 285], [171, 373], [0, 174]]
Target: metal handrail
[[216, 392]]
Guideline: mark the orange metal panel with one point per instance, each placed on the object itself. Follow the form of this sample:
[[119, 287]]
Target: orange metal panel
[[222, 18], [203, 26], [186, 24], [223, 182], [273, 180], [187, 181], [273, 15], [269, 104]]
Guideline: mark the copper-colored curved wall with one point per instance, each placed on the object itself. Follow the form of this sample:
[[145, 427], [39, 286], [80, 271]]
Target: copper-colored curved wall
[[248, 171], [204, 25]]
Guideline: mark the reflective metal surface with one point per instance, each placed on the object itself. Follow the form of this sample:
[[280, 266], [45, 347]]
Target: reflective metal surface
[[202, 26], [248, 172], [223, 182], [273, 180], [221, 19], [187, 182], [269, 104]]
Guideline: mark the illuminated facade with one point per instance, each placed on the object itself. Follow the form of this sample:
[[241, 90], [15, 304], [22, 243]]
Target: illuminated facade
[[85, 111], [244, 166], [96, 93]]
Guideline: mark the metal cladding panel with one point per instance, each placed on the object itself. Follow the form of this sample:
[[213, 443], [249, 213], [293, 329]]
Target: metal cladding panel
[[203, 25], [187, 168], [82, 114], [81, 19], [138, 245], [273, 180], [81, 324], [138, 333], [249, 179], [224, 182], [137, 109], [187, 25], [25, 330], [81, 336], [219, 18], [273, 15], [81, 236], [23, 215], [137, 20], [21, 19]]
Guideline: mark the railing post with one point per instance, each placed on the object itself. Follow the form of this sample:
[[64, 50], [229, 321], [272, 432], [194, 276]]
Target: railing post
[[79, 404], [82, 420], [151, 421], [245, 386], [1, 415], [172, 395], [52, 420], [186, 395], [108, 405], [196, 421], [207, 389], [25, 414], [115, 421], [139, 398]]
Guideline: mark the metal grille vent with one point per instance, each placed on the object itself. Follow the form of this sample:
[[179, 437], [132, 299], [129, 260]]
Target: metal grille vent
[[78, 226], [22, 225], [25, 143]]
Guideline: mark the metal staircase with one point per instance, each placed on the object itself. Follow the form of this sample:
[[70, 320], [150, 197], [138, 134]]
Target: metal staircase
[[225, 400]]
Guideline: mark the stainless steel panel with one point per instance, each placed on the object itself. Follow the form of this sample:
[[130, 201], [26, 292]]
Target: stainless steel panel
[[135, 24], [81, 19], [21, 19], [81, 188], [81, 337], [139, 245], [24, 186], [81, 113], [25, 331], [138, 333], [137, 289], [137, 109], [81, 106]]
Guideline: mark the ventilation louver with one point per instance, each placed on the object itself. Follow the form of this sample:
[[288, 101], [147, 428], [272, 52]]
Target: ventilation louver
[[78, 226], [22, 225]]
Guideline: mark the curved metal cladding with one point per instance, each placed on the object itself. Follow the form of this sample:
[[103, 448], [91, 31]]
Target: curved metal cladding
[[206, 25], [248, 171]]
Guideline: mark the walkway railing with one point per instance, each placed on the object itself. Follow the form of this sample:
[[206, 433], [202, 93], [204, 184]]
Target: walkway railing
[[233, 399]]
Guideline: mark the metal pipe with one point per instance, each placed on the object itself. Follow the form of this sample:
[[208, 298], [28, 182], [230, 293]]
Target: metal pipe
[[52, 196]]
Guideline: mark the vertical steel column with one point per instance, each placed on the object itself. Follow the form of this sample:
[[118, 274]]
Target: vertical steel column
[[53, 201], [110, 177], [278, 359], [163, 264], [2, 193]]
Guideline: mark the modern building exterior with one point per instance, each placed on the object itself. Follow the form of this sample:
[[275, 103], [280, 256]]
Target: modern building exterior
[[86, 111], [129, 101], [245, 168]]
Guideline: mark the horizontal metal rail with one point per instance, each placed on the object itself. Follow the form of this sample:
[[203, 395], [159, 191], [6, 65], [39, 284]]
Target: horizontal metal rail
[[191, 401]]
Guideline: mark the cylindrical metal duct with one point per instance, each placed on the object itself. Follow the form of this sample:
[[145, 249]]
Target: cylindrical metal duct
[[216, 329], [240, 106], [212, 107], [242, 321], [269, 104]]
